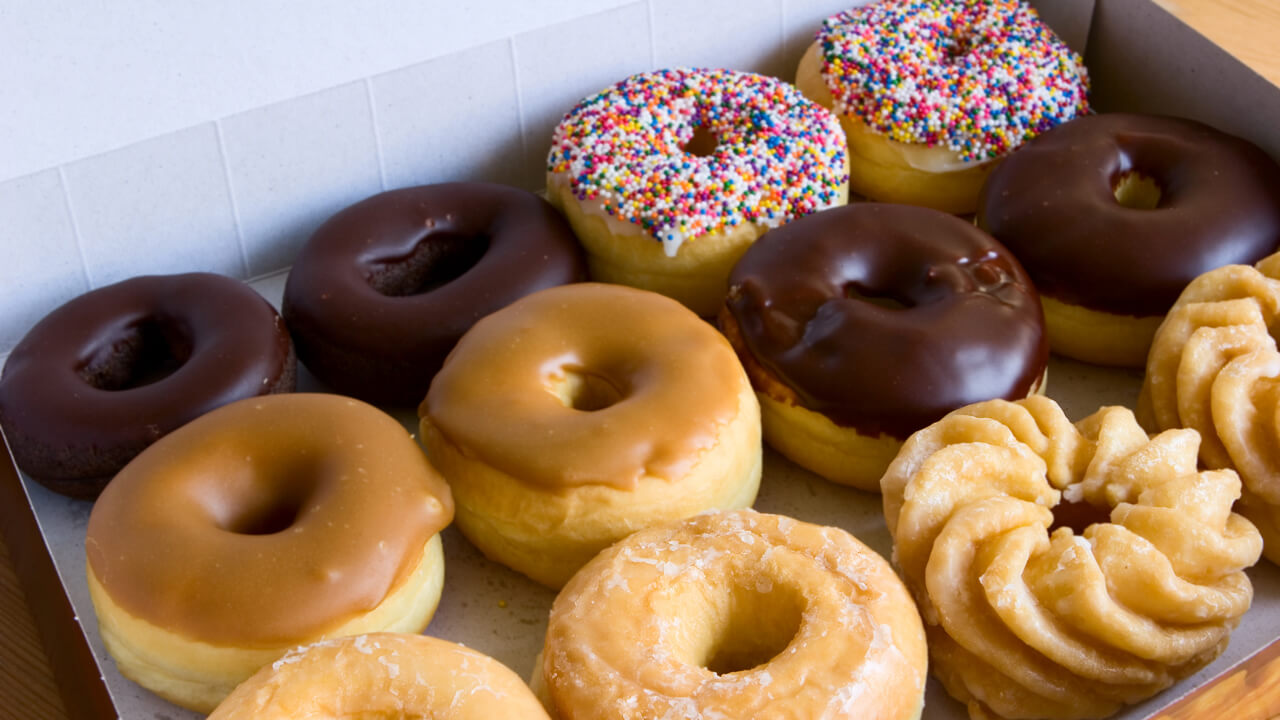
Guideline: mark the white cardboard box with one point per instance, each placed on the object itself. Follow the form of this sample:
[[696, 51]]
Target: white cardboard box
[[238, 193]]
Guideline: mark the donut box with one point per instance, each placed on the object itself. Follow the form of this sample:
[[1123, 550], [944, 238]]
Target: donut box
[[1140, 58]]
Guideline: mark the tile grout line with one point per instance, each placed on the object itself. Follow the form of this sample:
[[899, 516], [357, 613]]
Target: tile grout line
[[520, 124], [782, 29], [377, 132], [653, 42], [75, 226], [231, 196]]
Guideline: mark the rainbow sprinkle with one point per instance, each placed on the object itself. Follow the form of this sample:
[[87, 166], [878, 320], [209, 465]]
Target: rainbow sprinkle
[[779, 156], [977, 76]]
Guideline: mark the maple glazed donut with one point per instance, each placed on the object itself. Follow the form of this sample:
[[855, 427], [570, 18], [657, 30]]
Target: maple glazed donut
[[263, 525], [580, 414], [383, 289], [1065, 570], [668, 176], [862, 324], [391, 675], [933, 93], [1214, 367], [1113, 214], [734, 615], [113, 370]]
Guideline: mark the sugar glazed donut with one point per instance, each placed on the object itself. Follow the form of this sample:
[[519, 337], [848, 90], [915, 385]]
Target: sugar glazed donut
[[583, 413], [734, 615], [932, 93], [1214, 368], [667, 177], [1064, 570], [382, 290], [382, 675], [110, 372], [863, 324], [1114, 214], [260, 526]]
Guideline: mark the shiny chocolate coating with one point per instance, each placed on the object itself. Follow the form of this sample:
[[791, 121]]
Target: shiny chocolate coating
[[884, 318], [112, 371], [1053, 204], [383, 290]]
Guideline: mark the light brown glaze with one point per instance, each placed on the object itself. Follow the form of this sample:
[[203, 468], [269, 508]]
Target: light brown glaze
[[267, 521], [676, 376]]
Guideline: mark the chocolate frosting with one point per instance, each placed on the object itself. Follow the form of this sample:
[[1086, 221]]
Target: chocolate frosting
[[884, 318], [110, 372], [1053, 204], [383, 290]]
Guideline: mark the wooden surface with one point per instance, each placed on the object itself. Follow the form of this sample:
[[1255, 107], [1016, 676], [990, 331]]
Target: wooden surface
[[1248, 29]]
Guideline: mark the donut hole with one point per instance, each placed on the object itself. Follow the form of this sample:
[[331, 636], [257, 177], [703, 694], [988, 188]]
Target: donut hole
[[585, 391], [860, 292], [437, 259], [1078, 516], [259, 510], [702, 143], [1136, 191], [145, 352], [736, 629]]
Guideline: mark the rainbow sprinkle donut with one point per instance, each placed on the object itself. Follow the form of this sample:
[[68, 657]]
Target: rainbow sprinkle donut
[[700, 161], [969, 80]]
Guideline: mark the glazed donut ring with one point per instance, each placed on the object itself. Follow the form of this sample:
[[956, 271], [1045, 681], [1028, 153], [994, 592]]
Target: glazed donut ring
[[383, 289], [667, 177], [1064, 571], [862, 324], [261, 525], [1109, 263], [112, 371], [382, 675], [553, 422], [734, 615], [932, 94]]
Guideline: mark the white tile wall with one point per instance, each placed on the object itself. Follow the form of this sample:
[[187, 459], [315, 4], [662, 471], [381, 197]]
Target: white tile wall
[[732, 34], [42, 267], [160, 206], [560, 65], [453, 118], [237, 194], [295, 163]]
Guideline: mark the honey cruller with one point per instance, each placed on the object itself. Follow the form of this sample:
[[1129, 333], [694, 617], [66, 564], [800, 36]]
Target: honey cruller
[[1026, 619], [1214, 367]]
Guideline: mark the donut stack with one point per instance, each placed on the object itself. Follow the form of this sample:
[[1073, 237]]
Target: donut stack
[[278, 554]]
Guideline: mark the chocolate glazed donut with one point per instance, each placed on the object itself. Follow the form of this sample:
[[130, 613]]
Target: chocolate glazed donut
[[884, 318], [383, 290], [1053, 203], [110, 372]]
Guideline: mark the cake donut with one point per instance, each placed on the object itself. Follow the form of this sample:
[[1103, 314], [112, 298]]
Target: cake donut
[[862, 324], [734, 615], [113, 370], [580, 414], [1112, 215], [1214, 368], [383, 289], [1065, 571], [389, 675], [260, 526], [933, 93], [668, 176]]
